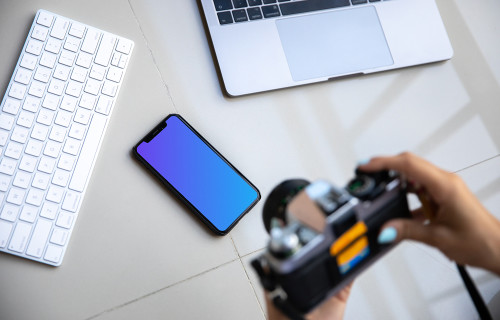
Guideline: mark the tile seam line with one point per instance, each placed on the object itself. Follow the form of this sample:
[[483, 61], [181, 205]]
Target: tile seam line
[[478, 163], [159, 290], [253, 289], [152, 56]]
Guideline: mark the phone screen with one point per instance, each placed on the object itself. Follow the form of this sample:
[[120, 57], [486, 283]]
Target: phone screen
[[196, 172]]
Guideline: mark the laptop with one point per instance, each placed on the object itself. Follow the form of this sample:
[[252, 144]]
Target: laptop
[[262, 45]]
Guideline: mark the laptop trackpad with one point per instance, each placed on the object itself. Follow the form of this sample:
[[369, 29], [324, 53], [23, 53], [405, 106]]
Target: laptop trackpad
[[334, 43]]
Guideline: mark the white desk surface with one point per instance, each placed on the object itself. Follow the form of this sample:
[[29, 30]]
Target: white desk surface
[[136, 253]]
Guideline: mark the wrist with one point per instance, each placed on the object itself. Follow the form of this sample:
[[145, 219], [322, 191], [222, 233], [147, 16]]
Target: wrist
[[494, 245]]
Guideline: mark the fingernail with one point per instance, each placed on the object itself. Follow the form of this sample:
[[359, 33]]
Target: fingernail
[[387, 235], [363, 162]]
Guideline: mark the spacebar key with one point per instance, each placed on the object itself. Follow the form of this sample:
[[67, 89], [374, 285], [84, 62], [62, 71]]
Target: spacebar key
[[88, 153], [311, 5]]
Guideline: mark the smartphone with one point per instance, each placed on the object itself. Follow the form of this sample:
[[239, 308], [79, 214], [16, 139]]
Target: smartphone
[[197, 174]]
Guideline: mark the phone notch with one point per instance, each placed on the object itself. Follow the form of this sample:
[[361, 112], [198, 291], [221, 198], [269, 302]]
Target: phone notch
[[159, 128]]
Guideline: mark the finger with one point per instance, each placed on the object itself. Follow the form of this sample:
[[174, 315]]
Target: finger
[[413, 168], [419, 215], [406, 229]]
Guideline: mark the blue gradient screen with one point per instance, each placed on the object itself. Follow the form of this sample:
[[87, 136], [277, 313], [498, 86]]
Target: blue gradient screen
[[212, 186]]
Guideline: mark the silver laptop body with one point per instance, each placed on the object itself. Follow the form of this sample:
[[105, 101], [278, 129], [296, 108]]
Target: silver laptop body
[[297, 42]]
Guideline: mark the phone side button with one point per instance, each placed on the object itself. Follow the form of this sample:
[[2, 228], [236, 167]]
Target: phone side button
[[88, 153]]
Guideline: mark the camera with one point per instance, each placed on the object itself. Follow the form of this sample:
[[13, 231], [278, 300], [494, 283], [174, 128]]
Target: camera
[[322, 237]]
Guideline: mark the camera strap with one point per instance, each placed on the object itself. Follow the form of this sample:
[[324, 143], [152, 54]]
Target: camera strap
[[481, 307]]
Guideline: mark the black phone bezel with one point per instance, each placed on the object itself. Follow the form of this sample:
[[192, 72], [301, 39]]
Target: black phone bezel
[[157, 129]]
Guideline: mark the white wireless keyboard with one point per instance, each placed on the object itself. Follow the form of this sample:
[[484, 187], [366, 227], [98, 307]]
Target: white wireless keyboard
[[52, 120]]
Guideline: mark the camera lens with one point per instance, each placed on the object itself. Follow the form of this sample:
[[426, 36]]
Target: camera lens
[[278, 199]]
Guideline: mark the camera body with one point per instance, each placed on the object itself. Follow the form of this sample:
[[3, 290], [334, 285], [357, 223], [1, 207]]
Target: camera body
[[322, 237]]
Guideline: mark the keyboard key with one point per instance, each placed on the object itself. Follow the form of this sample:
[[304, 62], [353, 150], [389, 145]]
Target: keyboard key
[[221, 5], [31, 104], [39, 238], [23, 76], [47, 164], [269, 1], [41, 181], [72, 44], [225, 17], [16, 196], [74, 88], [124, 46], [77, 30], [6, 121], [40, 32], [29, 213], [59, 236], [20, 237], [109, 88], [240, 15], [11, 106], [34, 147], [8, 166], [4, 182], [28, 163], [66, 162], [55, 194], [13, 150], [87, 154], [295, 7], [35, 197], [37, 89], [9, 212], [72, 146], [5, 230], [52, 101], [240, 4], [22, 179], [60, 28], [48, 59], [254, 2], [45, 19], [79, 74], [104, 105], [65, 219], [71, 201], [34, 47], [29, 61], [49, 210], [63, 118], [53, 254], [84, 60], [52, 149], [42, 74], [67, 58], [53, 45], [62, 72], [91, 40], [105, 50], [17, 91], [254, 13], [40, 132], [271, 11], [60, 178], [20, 135], [114, 74]]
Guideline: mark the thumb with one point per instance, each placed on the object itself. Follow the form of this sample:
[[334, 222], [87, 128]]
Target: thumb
[[406, 229]]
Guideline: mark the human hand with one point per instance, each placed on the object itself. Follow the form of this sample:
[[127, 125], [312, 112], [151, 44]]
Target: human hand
[[459, 225], [332, 309]]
